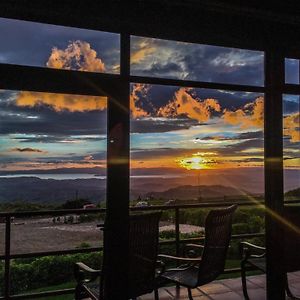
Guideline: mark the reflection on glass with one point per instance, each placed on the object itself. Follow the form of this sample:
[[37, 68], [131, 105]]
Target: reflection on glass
[[195, 143], [52, 147], [292, 71], [291, 146], [44, 45], [171, 59]]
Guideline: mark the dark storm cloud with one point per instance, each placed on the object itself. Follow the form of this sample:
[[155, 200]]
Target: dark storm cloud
[[200, 62], [160, 95], [49, 122], [288, 144], [292, 71], [157, 69], [225, 65], [159, 152], [244, 145], [27, 150], [78, 159], [231, 150], [160, 125], [290, 106], [56, 139], [250, 135], [29, 43], [289, 158], [241, 136]]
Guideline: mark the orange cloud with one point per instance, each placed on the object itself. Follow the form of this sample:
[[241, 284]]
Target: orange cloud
[[251, 115], [60, 102], [291, 127], [185, 104], [77, 56], [138, 112], [144, 49]]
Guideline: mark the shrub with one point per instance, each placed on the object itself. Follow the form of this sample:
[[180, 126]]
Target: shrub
[[84, 245], [46, 271], [167, 234]]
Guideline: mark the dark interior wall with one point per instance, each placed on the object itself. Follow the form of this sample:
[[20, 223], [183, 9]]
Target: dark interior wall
[[229, 23]]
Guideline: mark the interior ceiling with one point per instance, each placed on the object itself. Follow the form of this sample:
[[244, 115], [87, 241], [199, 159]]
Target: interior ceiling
[[252, 24]]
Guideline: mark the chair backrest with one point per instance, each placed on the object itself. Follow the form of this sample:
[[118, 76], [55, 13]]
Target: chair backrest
[[217, 237], [291, 233], [143, 250]]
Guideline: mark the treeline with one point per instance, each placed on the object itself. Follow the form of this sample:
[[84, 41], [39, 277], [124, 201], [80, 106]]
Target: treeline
[[245, 220], [19, 206]]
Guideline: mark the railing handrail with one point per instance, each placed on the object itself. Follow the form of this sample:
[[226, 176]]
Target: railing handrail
[[8, 218], [55, 212]]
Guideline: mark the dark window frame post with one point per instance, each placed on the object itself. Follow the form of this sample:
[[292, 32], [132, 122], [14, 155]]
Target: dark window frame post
[[273, 139], [117, 214]]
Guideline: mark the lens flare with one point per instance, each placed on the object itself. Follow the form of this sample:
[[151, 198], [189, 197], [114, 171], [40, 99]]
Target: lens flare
[[194, 163]]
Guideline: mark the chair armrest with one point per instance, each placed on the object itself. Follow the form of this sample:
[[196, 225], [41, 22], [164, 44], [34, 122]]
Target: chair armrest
[[180, 259], [248, 250], [195, 246], [81, 270], [87, 269]]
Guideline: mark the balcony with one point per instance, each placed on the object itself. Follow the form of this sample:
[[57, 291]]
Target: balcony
[[221, 289]]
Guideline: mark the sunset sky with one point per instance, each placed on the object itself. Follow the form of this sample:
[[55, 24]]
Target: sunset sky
[[173, 129]]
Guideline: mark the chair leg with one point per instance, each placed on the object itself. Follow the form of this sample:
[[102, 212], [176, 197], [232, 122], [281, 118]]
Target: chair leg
[[244, 281], [190, 294], [156, 297], [288, 291], [78, 292]]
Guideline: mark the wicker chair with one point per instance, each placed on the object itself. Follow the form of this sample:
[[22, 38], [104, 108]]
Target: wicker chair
[[253, 256], [143, 250], [200, 270]]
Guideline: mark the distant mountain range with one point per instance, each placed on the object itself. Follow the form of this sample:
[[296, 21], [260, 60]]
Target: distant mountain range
[[293, 193], [185, 192], [33, 189]]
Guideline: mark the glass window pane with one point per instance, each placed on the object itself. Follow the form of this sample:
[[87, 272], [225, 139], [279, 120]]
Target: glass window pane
[[53, 148], [291, 146], [190, 144], [292, 71], [178, 60], [44, 45]]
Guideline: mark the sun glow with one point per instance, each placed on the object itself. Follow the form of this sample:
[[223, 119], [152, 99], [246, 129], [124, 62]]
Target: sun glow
[[195, 163]]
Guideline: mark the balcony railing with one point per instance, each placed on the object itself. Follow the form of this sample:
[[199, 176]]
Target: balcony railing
[[8, 256]]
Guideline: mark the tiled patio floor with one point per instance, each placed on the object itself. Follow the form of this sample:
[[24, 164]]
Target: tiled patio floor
[[227, 289]]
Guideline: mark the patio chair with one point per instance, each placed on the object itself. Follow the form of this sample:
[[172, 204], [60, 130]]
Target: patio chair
[[143, 250], [197, 271], [253, 256]]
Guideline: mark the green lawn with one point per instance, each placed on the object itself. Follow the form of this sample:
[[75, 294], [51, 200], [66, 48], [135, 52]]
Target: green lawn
[[55, 287]]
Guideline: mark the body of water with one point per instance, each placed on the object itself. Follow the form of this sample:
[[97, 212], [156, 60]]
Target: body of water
[[81, 176]]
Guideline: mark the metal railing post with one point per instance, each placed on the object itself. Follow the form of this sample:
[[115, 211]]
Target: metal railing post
[[177, 238], [177, 231], [7, 257]]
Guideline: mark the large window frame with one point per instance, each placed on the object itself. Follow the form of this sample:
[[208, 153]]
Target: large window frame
[[117, 88]]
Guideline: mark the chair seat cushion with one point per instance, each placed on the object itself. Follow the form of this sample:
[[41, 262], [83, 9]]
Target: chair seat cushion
[[259, 263], [186, 277]]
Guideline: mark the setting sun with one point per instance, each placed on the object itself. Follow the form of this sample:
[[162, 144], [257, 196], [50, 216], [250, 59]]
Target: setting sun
[[194, 163]]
